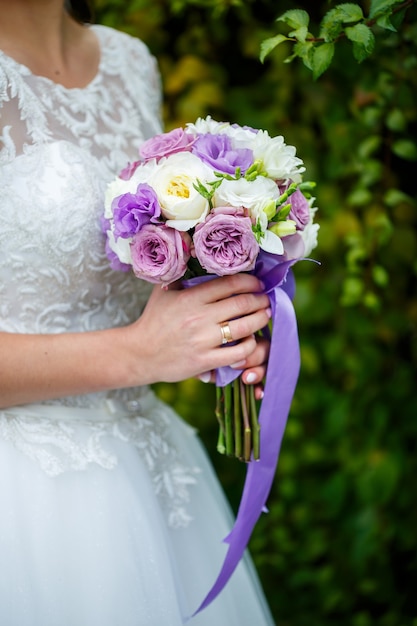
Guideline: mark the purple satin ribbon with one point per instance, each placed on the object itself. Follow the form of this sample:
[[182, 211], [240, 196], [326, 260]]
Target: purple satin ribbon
[[281, 379]]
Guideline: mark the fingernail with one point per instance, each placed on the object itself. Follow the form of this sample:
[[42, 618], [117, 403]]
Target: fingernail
[[250, 378], [238, 365], [205, 377], [269, 311]]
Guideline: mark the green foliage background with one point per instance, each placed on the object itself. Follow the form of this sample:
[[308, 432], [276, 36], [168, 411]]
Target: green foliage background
[[339, 545]]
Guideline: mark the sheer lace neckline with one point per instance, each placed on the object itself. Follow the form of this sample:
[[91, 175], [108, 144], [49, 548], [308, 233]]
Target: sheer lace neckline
[[25, 70]]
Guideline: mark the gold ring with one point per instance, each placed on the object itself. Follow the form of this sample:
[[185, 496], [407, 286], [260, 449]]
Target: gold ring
[[226, 333]]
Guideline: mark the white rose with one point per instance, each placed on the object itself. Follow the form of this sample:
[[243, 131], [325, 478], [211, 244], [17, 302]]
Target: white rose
[[173, 181], [254, 195], [279, 160]]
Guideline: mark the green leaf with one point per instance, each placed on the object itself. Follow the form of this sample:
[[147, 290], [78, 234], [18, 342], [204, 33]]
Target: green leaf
[[381, 7], [304, 50], [360, 33], [295, 18], [300, 33], [332, 23], [348, 12], [321, 58], [363, 40], [405, 149], [269, 44], [385, 22]]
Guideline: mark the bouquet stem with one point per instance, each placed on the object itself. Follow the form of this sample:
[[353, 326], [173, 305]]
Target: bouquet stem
[[237, 414], [221, 444], [237, 419]]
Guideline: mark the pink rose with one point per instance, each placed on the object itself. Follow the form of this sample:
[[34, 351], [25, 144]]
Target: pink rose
[[160, 254], [163, 145], [128, 171], [225, 244]]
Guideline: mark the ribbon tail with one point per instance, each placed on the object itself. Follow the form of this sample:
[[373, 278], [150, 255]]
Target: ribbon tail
[[281, 379]]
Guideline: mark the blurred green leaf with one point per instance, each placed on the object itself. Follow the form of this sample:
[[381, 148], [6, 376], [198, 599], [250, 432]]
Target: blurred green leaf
[[406, 149]]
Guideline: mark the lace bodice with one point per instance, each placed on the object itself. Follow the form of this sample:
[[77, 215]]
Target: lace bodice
[[59, 148]]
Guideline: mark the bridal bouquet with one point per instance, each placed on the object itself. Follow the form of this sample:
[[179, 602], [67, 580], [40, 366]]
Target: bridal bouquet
[[212, 198]]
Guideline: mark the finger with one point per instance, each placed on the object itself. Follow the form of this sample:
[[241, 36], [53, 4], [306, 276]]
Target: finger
[[255, 375], [237, 329], [239, 306], [207, 377], [222, 356], [226, 286], [259, 392], [259, 356]]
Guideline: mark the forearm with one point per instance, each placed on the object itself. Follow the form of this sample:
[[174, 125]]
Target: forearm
[[42, 367], [177, 336]]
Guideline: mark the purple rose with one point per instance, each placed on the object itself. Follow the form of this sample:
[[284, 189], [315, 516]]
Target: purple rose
[[217, 152], [131, 211], [300, 209], [163, 145], [225, 244], [160, 254]]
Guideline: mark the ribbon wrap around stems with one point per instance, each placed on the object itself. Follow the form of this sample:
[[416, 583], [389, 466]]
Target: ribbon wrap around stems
[[281, 379]]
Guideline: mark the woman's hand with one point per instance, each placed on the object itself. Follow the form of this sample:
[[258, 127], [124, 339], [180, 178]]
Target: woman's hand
[[179, 335]]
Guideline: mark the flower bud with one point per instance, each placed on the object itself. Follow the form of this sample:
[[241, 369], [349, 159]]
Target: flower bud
[[282, 229]]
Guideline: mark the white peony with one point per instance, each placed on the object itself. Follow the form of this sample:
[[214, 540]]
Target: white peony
[[279, 160], [173, 182]]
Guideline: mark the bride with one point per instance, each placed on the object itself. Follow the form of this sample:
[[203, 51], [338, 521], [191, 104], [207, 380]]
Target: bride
[[110, 512]]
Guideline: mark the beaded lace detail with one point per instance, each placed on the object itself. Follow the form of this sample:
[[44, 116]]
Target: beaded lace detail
[[59, 148]]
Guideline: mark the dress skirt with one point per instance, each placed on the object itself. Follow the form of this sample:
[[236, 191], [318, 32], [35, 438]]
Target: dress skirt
[[111, 515]]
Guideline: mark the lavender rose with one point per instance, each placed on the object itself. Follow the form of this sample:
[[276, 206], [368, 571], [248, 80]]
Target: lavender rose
[[160, 254], [225, 244], [163, 145], [131, 211], [217, 152], [300, 209]]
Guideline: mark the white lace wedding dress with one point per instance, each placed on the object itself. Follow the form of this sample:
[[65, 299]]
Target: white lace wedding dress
[[110, 514]]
